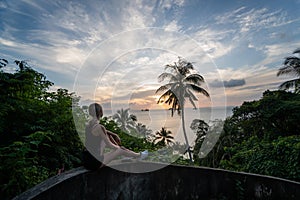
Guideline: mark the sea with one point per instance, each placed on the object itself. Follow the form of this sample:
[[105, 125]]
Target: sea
[[156, 119]]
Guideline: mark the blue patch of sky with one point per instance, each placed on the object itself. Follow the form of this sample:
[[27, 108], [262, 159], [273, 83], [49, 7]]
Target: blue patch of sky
[[239, 57], [67, 82]]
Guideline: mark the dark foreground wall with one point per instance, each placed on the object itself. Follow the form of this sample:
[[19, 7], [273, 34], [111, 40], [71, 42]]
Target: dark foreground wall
[[170, 182]]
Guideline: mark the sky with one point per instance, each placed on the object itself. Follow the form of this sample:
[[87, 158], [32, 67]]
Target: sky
[[113, 51]]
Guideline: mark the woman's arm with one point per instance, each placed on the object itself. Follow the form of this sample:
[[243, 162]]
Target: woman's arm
[[114, 137], [100, 130]]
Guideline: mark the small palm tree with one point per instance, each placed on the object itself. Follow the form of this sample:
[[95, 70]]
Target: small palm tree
[[125, 120], [183, 81], [142, 130], [291, 66], [164, 136]]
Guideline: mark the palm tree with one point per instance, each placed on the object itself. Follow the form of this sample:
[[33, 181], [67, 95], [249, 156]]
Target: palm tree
[[142, 130], [183, 81], [164, 136], [125, 120], [291, 66]]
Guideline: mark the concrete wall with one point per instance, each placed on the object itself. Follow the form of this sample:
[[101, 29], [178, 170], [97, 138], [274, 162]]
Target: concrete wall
[[170, 182]]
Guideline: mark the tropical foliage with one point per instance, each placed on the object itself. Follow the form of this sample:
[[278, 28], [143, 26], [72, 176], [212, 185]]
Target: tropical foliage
[[200, 127], [129, 141], [37, 132], [260, 137], [182, 83], [279, 157], [291, 67]]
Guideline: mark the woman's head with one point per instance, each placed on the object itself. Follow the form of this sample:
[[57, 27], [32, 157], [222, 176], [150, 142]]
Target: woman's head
[[95, 110]]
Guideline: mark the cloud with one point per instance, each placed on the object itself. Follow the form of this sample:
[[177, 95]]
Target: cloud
[[261, 87], [234, 82], [173, 26], [9, 43], [3, 4], [228, 84], [168, 4], [275, 53], [111, 49], [253, 19], [212, 41]]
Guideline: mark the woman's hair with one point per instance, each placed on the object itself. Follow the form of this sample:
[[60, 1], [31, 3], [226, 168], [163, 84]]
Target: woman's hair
[[95, 110]]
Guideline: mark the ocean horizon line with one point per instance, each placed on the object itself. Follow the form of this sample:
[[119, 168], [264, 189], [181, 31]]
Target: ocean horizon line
[[190, 108]]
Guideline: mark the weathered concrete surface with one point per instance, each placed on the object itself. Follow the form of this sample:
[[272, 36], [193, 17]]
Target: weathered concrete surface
[[170, 182]]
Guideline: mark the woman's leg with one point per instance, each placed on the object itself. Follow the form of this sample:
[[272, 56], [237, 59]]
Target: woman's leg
[[108, 157]]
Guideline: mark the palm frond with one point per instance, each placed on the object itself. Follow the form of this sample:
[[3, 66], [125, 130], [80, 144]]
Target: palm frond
[[192, 102], [284, 70], [292, 62], [169, 137], [290, 84], [3, 62], [156, 138], [296, 51], [172, 67], [175, 106], [194, 78], [133, 117], [198, 89], [170, 98], [291, 59], [190, 94], [165, 75], [289, 70], [189, 65], [164, 95], [164, 87]]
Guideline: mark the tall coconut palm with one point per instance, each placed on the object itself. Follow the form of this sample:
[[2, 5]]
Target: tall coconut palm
[[164, 136], [182, 83], [125, 120], [291, 66]]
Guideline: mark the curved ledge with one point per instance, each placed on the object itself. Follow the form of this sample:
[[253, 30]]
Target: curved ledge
[[170, 182]]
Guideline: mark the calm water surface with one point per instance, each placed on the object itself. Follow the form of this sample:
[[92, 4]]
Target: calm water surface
[[155, 119]]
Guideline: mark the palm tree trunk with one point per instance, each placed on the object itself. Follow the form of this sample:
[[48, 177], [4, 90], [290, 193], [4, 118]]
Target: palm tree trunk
[[185, 136]]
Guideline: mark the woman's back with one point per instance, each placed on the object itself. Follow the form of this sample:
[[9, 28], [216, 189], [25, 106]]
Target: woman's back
[[92, 142]]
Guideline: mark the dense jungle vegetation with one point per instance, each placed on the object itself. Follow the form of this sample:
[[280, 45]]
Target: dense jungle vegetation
[[38, 138]]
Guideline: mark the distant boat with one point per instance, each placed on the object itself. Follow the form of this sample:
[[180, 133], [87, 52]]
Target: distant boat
[[145, 109]]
